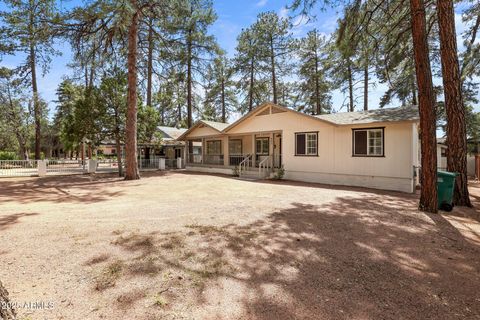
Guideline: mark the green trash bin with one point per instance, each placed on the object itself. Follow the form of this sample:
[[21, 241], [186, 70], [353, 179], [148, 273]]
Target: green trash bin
[[445, 186]]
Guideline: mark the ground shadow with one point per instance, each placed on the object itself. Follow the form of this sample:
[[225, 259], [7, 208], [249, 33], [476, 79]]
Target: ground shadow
[[369, 258], [7, 221]]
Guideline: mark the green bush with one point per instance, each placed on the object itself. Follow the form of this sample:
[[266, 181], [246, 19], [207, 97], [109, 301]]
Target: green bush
[[279, 174], [32, 155], [8, 155], [236, 171]]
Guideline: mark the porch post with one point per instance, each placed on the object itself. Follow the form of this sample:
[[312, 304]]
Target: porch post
[[271, 150], [203, 150], [254, 147], [226, 156]]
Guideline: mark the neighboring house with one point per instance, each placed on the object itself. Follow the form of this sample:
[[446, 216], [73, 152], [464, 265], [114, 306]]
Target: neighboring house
[[376, 149], [441, 154], [169, 147]]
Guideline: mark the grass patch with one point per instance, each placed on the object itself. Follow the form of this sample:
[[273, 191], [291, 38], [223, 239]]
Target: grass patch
[[135, 242], [206, 230], [109, 276], [174, 242], [97, 259], [160, 301]]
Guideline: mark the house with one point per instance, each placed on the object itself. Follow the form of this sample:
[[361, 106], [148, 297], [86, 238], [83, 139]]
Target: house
[[169, 147], [375, 149], [441, 154]]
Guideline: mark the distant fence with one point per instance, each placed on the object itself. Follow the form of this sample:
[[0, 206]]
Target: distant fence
[[30, 168], [18, 168]]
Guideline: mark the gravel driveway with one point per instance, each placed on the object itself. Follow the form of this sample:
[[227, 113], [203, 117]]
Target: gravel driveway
[[180, 245]]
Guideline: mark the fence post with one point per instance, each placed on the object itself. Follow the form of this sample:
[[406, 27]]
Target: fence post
[[161, 163], [42, 168], [92, 166], [179, 163]]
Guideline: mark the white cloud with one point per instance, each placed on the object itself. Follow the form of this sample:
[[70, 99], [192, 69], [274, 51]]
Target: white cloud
[[262, 3], [283, 13]]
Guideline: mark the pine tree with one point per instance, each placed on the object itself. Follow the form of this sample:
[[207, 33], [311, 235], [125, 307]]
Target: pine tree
[[27, 29], [247, 65], [454, 104], [314, 87], [190, 23], [220, 95], [275, 44]]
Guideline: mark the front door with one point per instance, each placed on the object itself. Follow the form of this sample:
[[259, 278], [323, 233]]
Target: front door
[[277, 150], [178, 153], [262, 149]]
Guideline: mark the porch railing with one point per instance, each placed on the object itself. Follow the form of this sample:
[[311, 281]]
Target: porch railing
[[145, 164], [264, 166], [195, 158], [245, 164], [214, 159], [235, 160]]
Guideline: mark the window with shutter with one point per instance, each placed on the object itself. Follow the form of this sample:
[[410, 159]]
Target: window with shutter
[[306, 144], [368, 142]]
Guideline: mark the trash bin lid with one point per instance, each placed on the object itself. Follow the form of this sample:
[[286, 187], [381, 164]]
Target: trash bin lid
[[446, 174]]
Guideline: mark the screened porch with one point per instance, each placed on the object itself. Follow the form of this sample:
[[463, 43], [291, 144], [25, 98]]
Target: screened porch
[[230, 151]]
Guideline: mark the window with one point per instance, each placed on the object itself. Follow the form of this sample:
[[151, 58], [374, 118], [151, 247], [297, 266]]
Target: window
[[262, 146], [214, 147], [443, 152], [235, 147], [306, 144], [368, 142]]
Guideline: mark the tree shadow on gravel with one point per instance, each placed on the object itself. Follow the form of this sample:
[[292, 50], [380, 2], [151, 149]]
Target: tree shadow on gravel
[[354, 258], [7, 221], [60, 189]]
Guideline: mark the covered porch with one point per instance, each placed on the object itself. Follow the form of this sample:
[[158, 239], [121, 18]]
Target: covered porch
[[230, 151]]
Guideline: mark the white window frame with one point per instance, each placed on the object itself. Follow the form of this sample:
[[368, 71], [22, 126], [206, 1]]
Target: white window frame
[[381, 138], [308, 136], [265, 141]]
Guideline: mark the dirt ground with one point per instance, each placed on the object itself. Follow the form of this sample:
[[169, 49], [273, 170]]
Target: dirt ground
[[192, 246]]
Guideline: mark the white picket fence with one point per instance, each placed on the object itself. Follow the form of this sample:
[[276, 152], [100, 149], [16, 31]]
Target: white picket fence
[[66, 167], [18, 168], [29, 168]]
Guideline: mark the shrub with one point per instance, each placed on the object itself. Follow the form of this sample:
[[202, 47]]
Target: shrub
[[8, 155], [279, 174], [236, 171]]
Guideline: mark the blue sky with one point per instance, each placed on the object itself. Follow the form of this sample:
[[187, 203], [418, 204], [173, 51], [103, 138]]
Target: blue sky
[[233, 15]]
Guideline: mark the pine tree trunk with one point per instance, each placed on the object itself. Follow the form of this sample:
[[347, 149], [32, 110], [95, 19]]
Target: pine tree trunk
[[7, 312], [150, 64], [36, 104], [250, 91], [92, 67], [189, 81], [189, 88], [350, 87], [131, 171], [118, 144], [428, 195], [274, 78], [452, 86], [317, 85], [224, 112], [365, 86]]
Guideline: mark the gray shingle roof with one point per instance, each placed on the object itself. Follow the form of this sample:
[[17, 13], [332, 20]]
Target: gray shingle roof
[[408, 113]]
